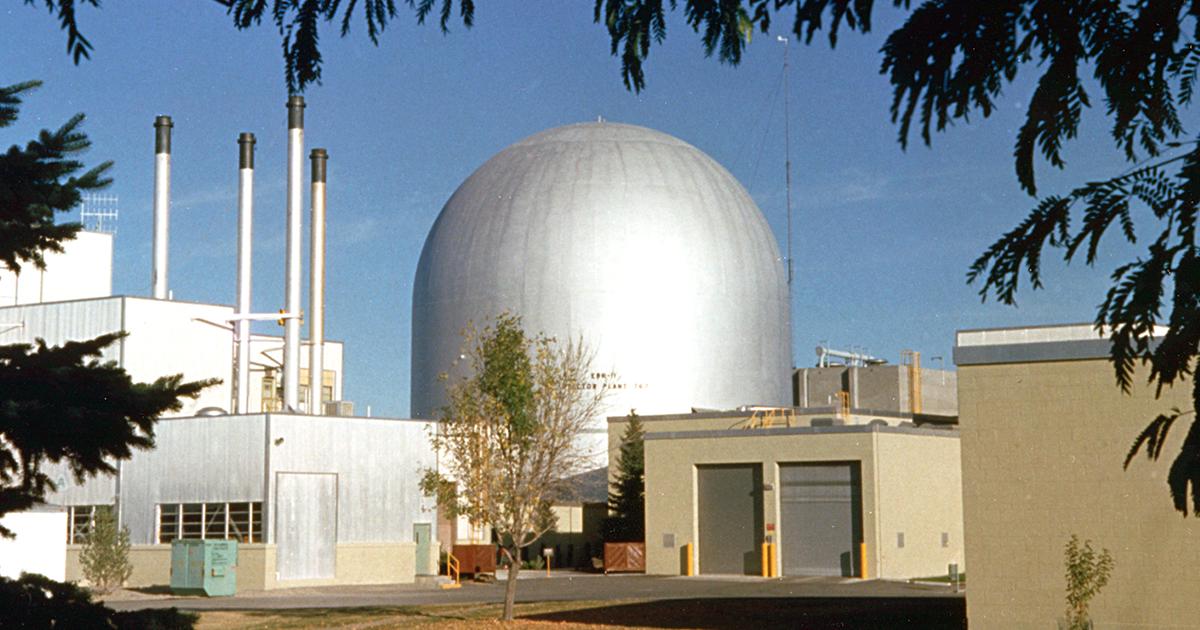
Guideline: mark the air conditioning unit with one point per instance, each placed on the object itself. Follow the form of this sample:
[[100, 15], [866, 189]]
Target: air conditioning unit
[[338, 408]]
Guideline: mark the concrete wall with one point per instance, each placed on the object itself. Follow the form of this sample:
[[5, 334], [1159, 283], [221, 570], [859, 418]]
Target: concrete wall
[[1043, 445], [82, 270], [39, 545], [356, 564], [884, 388], [923, 510], [920, 496], [151, 565]]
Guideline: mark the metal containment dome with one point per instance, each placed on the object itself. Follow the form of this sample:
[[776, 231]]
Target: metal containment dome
[[629, 238]]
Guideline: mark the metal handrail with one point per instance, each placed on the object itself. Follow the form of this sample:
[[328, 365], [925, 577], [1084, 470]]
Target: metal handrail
[[452, 567]]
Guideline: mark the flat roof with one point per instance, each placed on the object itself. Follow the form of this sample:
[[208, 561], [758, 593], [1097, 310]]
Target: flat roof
[[852, 428], [1031, 344]]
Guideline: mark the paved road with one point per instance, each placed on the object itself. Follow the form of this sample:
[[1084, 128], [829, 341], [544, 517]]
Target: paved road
[[563, 586]]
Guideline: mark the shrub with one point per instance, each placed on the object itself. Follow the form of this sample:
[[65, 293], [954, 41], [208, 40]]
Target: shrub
[[1087, 573], [105, 554]]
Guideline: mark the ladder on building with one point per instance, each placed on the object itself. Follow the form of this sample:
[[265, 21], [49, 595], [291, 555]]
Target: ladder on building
[[912, 359]]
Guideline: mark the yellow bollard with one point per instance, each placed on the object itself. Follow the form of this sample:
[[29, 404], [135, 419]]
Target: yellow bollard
[[774, 559], [862, 560], [688, 564], [766, 559]]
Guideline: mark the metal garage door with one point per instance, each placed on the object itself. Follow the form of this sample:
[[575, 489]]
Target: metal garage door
[[730, 518], [820, 518], [305, 525]]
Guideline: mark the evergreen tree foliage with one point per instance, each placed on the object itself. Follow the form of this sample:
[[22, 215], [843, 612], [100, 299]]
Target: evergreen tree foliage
[[510, 434], [36, 601], [627, 495], [952, 59], [105, 554], [39, 180], [298, 22], [61, 404]]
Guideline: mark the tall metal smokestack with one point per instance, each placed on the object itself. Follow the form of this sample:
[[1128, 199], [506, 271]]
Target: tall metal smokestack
[[245, 225], [162, 204], [291, 327], [316, 291]]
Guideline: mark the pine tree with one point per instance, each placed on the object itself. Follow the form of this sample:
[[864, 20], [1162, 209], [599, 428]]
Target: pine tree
[[627, 496], [105, 414], [105, 554]]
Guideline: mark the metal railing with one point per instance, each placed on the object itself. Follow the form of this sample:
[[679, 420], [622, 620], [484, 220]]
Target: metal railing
[[452, 571]]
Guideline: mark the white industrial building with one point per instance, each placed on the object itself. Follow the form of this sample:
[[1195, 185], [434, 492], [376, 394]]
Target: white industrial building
[[312, 499], [313, 495]]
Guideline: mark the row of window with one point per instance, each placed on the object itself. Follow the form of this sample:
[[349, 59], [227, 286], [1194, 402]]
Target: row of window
[[231, 521]]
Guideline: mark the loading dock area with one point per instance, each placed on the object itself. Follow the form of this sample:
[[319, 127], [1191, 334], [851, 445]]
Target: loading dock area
[[821, 495]]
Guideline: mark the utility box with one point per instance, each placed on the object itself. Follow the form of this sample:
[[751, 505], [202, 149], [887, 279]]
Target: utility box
[[204, 567]]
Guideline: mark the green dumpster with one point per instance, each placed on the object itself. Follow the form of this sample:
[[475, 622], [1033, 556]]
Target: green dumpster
[[204, 567]]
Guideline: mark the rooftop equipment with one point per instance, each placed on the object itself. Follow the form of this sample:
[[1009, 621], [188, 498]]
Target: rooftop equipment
[[853, 359]]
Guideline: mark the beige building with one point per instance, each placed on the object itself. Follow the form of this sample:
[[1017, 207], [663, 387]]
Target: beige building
[[726, 482], [1045, 431]]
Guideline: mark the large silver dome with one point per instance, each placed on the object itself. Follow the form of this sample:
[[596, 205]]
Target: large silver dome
[[634, 240]]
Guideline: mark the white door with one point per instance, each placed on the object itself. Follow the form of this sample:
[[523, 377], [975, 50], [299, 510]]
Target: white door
[[305, 525]]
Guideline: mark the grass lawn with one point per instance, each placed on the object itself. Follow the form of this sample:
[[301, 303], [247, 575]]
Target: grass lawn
[[843, 613], [441, 616]]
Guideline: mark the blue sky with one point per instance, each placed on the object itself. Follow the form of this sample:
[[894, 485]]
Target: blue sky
[[883, 237]]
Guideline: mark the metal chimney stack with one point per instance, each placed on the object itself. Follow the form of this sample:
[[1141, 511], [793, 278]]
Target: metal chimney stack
[[316, 292], [162, 204], [245, 225], [291, 327]]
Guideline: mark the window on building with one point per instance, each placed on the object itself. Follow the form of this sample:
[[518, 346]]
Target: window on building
[[168, 522], [272, 392], [235, 521], [80, 519]]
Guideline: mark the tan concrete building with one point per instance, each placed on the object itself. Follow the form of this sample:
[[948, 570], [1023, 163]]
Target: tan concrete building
[[1045, 431], [824, 494]]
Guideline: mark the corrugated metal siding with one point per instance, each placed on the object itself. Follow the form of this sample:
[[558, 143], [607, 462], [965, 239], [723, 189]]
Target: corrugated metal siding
[[378, 463], [197, 460], [99, 490], [60, 322]]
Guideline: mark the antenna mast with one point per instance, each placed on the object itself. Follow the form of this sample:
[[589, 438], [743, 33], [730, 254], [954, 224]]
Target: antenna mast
[[787, 152], [99, 213]]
